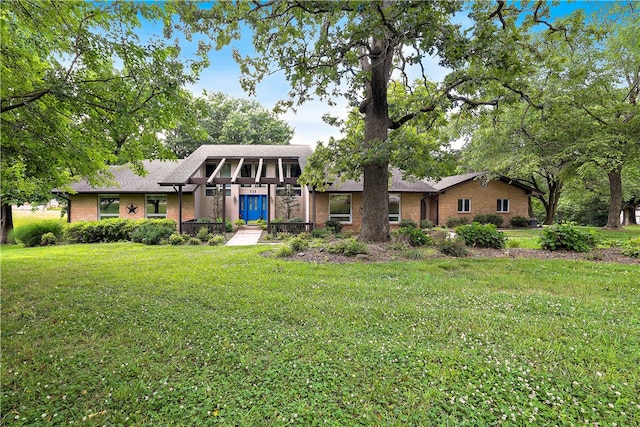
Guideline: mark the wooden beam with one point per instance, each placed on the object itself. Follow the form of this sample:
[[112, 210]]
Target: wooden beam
[[237, 171], [259, 171], [215, 172]]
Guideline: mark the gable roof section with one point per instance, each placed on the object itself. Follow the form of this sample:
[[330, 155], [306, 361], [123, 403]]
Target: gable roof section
[[129, 182], [450, 181], [397, 185], [190, 165]]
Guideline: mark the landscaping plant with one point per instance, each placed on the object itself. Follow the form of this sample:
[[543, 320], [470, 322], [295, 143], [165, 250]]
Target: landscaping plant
[[482, 235], [567, 237]]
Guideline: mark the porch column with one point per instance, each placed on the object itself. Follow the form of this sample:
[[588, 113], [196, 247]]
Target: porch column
[[269, 208], [224, 208]]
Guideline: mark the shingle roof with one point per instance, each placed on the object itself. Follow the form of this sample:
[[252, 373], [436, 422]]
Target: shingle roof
[[398, 184], [450, 181], [190, 165], [129, 182]]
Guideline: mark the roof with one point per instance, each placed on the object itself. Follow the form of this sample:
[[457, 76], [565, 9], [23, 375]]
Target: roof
[[130, 182], [450, 181], [181, 174], [397, 185]]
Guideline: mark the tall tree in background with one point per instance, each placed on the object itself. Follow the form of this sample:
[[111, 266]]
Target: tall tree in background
[[221, 119], [351, 50], [80, 91]]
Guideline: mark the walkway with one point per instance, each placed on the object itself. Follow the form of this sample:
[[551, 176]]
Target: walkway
[[245, 237]]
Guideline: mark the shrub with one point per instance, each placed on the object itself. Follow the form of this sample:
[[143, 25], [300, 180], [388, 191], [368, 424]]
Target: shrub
[[334, 225], [298, 244], [203, 234], [412, 236], [176, 239], [152, 233], [631, 248], [439, 234], [30, 234], [216, 240], [519, 221], [296, 219], [108, 230], [494, 219], [262, 223], [425, 223], [319, 233], [453, 247], [48, 239], [283, 251], [193, 241], [407, 223], [566, 236], [482, 235], [454, 221], [239, 222], [348, 247]]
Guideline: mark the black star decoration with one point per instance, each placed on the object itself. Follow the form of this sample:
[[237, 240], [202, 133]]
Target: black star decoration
[[133, 209]]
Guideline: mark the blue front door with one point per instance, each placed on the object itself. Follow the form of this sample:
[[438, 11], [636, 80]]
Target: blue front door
[[253, 207]]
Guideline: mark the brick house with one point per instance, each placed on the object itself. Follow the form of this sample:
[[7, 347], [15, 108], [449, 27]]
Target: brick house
[[252, 182]]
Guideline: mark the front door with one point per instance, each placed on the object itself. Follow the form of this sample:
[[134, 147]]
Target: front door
[[253, 207]]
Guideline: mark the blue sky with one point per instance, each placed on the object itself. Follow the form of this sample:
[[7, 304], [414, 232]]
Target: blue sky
[[223, 76]]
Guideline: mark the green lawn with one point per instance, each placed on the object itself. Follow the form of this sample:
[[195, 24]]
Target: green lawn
[[529, 237], [127, 334]]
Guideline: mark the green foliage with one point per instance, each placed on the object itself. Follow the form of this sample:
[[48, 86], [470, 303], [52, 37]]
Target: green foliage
[[193, 241], [425, 223], [176, 239], [519, 221], [239, 222], [215, 240], [454, 221], [494, 219], [48, 239], [455, 247], [482, 235], [203, 234], [348, 247], [334, 225], [298, 244], [567, 237], [631, 248], [320, 233], [152, 233], [108, 230], [283, 251], [407, 223], [412, 236], [30, 234]]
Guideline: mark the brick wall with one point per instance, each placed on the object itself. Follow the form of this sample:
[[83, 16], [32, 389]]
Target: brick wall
[[483, 200]]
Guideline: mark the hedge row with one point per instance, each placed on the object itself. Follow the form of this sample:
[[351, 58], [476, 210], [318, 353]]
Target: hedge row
[[110, 230]]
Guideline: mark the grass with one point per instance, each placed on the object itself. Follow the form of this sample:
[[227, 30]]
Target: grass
[[528, 238], [127, 334]]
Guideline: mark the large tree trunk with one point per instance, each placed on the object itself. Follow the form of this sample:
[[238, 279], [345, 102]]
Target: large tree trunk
[[551, 203], [629, 215], [6, 223], [615, 200]]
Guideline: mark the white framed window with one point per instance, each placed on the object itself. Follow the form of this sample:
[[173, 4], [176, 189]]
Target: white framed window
[[217, 190], [108, 206], [340, 207], [394, 207], [464, 205], [503, 205], [156, 206]]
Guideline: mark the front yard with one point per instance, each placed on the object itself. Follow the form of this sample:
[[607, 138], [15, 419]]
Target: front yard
[[107, 334]]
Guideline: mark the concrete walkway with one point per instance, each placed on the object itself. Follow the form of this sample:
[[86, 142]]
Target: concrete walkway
[[245, 237]]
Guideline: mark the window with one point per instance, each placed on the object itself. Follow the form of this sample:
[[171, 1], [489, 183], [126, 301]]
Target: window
[[503, 205], [250, 170], [394, 208], [282, 190], [464, 205], [108, 206], [289, 170], [217, 190], [340, 207], [156, 206]]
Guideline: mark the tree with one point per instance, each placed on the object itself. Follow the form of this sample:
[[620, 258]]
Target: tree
[[222, 119], [81, 91], [352, 50]]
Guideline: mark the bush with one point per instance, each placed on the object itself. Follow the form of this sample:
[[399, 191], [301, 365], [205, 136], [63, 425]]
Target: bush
[[319, 233], [454, 221], [566, 236], [407, 223], [193, 241], [48, 239], [203, 234], [519, 221], [215, 240], [412, 236], [108, 230], [239, 222], [176, 239], [30, 234], [453, 247], [298, 244], [482, 235], [152, 233], [334, 225], [494, 219], [425, 223], [348, 247], [283, 251], [439, 234], [631, 248]]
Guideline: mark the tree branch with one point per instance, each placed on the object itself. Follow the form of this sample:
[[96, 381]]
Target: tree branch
[[6, 104]]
